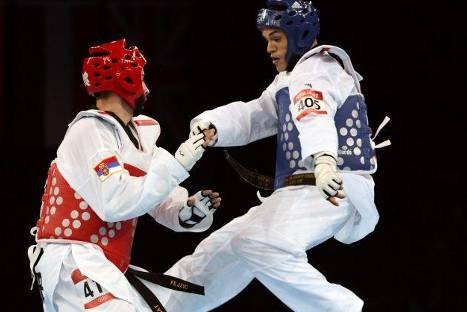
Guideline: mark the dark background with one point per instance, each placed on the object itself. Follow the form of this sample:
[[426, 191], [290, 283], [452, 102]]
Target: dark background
[[204, 54]]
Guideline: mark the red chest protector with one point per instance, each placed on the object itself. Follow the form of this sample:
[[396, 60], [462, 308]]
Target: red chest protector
[[65, 216]]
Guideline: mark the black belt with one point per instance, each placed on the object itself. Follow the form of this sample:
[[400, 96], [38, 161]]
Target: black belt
[[162, 280], [265, 182], [300, 179]]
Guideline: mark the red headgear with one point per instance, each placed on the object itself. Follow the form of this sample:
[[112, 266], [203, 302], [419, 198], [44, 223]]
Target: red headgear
[[113, 67]]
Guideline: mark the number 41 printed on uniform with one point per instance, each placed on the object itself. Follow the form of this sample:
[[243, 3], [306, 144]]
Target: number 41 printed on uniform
[[92, 293]]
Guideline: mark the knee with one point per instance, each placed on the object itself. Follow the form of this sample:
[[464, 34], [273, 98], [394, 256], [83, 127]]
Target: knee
[[258, 250], [251, 244]]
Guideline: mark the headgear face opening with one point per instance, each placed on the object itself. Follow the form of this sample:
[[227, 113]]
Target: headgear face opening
[[113, 67], [297, 19]]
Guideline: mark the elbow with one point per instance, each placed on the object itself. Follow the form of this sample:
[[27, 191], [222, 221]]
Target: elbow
[[127, 204], [115, 212]]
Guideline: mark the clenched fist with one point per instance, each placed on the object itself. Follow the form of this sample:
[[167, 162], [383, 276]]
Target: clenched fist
[[198, 206], [190, 151]]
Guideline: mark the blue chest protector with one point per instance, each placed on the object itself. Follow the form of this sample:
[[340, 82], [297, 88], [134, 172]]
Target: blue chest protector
[[288, 150], [355, 151]]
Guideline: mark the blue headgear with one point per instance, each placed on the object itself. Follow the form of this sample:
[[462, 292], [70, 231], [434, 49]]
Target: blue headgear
[[298, 19]]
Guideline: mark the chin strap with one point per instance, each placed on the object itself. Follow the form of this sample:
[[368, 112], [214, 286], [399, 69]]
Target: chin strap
[[294, 58], [139, 105]]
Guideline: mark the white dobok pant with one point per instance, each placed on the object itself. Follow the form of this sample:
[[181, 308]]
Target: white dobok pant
[[63, 293], [269, 243]]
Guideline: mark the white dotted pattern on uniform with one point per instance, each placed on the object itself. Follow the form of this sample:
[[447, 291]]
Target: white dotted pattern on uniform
[[83, 205], [107, 232], [85, 216], [288, 147], [94, 238], [76, 224], [66, 223], [68, 232], [340, 161], [348, 133], [104, 241]]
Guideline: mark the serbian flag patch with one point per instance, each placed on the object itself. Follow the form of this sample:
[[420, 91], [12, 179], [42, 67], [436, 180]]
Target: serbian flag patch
[[107, 167]]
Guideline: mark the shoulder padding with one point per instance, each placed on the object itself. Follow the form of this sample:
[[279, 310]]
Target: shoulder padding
[[142, 120]]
